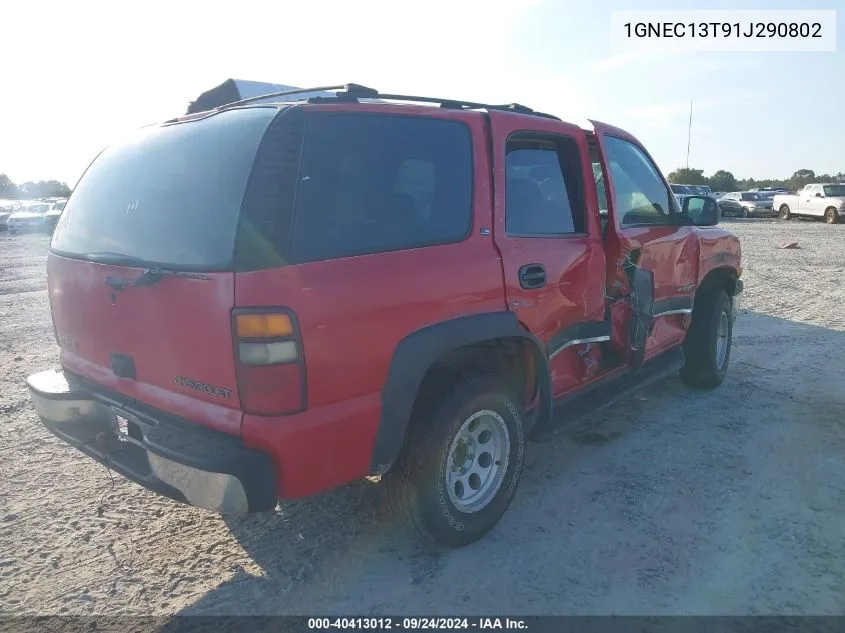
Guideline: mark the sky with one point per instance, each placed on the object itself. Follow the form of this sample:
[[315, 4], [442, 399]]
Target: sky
[[77, 75]]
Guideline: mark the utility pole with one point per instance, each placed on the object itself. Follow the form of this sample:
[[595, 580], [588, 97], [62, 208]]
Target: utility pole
[[689, 131]]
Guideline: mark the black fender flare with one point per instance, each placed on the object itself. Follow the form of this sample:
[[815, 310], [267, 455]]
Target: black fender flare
[[419, 350]]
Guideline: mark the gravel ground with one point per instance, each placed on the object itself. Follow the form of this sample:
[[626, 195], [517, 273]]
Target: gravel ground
[[674, 502]]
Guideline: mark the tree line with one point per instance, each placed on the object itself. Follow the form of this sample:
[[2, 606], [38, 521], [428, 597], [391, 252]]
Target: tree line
[[724, 180], [31, 190]]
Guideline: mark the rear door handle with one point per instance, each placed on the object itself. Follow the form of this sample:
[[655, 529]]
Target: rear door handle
[[532, 276]]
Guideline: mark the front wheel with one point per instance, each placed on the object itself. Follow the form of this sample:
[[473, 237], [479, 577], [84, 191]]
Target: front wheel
[[463, 461], [831, 216], [708, 343], [784, 213]]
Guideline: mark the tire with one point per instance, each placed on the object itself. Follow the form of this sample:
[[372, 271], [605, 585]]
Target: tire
[[784, 213], [831, 216], [419, 485], [708, 343]]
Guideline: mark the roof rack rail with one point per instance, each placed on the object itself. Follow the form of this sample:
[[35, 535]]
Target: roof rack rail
[[353, 92], [356, 91], [284, 93]]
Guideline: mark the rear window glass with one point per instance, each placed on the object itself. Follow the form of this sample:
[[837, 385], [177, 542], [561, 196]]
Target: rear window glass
[[373, 183], [167, 194]]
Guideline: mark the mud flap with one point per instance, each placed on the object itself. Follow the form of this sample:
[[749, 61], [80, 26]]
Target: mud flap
[[642, 313]]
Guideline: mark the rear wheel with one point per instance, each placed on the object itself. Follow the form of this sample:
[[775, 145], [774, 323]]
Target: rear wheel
[[831, 216], [784, 213], [708, 344], [462, 463]]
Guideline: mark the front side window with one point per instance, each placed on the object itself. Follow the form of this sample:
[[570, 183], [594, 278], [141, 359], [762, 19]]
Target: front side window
[[372, 183], [641, 196]]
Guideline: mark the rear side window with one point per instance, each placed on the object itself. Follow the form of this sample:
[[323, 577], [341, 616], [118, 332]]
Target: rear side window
[[168, 194], [543, 187], [372, 183]]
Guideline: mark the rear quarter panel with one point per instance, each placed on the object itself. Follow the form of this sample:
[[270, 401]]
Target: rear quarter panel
[[353, 312]]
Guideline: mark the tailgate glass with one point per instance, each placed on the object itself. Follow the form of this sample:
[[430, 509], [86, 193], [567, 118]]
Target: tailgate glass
[[167, 194]]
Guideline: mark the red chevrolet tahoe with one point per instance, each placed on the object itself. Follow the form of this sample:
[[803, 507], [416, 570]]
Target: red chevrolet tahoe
[[274, 298]]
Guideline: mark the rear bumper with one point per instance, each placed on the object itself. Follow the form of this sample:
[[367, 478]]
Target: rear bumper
[[202, 467]]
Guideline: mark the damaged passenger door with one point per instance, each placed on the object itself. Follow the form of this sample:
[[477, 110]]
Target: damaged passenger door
[[651, 250]]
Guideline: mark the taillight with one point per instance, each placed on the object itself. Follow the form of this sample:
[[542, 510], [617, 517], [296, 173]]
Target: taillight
[[271, 369]]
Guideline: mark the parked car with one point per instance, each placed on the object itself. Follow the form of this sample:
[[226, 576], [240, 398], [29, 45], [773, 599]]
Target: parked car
[[53, 214], [702, 190], [817, 200], [773, 190], [30, 217], [746, 204], [7, 207], [681, 192], [314, 331]]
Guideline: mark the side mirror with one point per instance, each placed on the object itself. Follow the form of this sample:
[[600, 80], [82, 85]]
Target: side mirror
[[702, 210], [819, 195]]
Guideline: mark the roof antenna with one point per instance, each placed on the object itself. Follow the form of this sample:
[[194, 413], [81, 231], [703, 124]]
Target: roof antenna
[[689, 131]]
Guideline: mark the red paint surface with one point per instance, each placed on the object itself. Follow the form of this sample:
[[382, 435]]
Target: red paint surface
[[574, 264], [178, 327], [672, 253], [353, 312]]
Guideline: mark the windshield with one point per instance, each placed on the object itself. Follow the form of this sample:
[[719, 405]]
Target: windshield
[[168, 194], [751, 196], [834, 191], [682, 189], [702, 190]]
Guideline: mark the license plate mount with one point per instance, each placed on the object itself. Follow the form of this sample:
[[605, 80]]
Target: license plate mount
[[126, 426]]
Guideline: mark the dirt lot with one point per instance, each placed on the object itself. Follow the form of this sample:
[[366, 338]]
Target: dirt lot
[[728, 502]]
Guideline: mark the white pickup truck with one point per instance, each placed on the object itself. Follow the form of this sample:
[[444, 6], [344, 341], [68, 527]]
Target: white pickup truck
[[818, 200]]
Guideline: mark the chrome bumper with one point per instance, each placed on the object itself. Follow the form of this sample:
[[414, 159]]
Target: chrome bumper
[[203, 468]]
